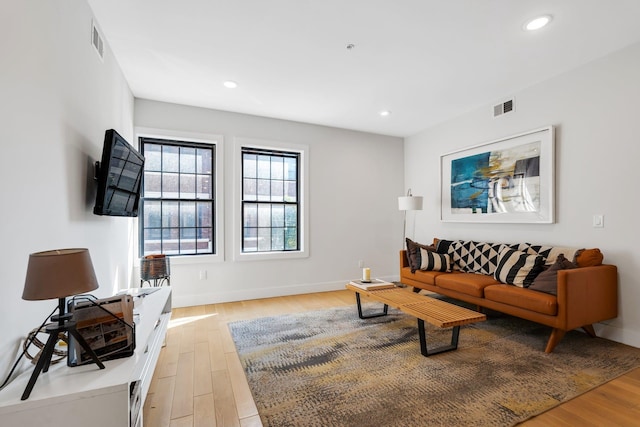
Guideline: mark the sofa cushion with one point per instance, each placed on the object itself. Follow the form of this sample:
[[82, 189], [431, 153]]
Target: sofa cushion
[[434, 261], [523, 298], [424, 276], [518, 268], [413, 253], [547, 281], [466, 283]]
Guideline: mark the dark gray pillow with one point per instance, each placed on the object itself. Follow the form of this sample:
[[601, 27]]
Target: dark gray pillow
[[547, 281]]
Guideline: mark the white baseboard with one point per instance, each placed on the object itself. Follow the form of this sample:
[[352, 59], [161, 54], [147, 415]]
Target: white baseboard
[[616, 334]]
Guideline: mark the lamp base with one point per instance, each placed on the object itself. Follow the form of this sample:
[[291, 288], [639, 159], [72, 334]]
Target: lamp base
[[64, 324]]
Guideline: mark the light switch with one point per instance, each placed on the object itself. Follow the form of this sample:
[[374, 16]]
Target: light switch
[[598, 221]]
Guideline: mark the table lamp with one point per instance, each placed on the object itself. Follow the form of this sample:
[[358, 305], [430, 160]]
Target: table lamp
[[58, 274], [408, 203]]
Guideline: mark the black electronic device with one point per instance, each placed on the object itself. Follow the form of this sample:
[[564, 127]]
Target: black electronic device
[[119, 177]]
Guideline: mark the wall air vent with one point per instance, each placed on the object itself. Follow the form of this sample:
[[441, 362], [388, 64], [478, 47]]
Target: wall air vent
[[505, 107], [97, 41]]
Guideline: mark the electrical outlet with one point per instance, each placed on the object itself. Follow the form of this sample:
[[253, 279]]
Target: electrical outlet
[[203, 274]]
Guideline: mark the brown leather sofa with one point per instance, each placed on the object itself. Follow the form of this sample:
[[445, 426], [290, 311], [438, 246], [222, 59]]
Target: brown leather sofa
[[585, 296]]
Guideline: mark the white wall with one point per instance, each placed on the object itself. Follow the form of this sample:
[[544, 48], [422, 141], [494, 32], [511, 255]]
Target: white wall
[[595, 111], [355, 179], [56, 100]]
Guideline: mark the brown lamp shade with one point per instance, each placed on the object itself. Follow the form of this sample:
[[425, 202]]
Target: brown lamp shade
[[59, 273]]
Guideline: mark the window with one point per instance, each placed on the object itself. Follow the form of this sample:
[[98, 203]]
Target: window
[[177, 200], [270, 200]]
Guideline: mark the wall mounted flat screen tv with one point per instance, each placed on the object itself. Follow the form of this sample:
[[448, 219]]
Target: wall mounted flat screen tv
[[119, 175]]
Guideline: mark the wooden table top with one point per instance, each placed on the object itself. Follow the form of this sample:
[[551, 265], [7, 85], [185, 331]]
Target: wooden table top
[[437, 312]]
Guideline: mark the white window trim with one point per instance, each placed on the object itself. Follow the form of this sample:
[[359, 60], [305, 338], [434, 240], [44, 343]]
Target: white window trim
[[205, 138], [303, 150]]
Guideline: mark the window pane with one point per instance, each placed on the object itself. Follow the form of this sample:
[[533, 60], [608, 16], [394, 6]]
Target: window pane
[[250, 215], [277, 191], [277, 168], [290, 169], [277, 239], [187, 160], [170, 185], [152, 241], [205, 214], [152, 214], [204, 188], [204, 240], [250, 240], [204, 161], [264, 189], [187, 214], [291, 239], [152, 157], [264, 167], [170, 158], [169, 214], [264, 239], [152, 184], [249, 188], [290, 216], [187, 186], [249, 167], [264, 216], [290, 192], [277, 216]]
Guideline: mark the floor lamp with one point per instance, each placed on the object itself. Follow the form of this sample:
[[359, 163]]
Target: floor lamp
[[58, 274], [408, 203]]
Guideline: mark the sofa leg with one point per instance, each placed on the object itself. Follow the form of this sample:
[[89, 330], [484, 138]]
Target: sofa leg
[[589, 330], [416, 290], [554, 339]]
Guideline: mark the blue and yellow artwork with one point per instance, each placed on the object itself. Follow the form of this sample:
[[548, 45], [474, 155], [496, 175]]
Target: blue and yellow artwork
[[498, 181]]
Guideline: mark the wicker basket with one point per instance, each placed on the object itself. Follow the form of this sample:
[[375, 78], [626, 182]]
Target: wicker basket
[[154, 267]]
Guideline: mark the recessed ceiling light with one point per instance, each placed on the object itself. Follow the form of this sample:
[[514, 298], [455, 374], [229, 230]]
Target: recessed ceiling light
[[384, 113], [537, 23], [230, 84]]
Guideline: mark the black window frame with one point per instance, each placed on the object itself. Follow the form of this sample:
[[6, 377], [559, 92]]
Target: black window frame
[[211, 200], [271, 153]]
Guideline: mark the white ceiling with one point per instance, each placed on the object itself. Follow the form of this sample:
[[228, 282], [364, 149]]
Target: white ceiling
[[424, 60]]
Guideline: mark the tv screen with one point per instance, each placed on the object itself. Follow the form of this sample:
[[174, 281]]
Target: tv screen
[[119, 175]]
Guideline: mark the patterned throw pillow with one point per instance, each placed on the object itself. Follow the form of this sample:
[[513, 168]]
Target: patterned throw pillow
[[472, 257], [413, 254], [433, 261], [518, 268]]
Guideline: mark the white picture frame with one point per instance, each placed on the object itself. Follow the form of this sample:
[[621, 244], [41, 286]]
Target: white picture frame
[[509, 180]]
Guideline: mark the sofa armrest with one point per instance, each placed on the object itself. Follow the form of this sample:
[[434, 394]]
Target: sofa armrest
[[404, 261], [587, 295]]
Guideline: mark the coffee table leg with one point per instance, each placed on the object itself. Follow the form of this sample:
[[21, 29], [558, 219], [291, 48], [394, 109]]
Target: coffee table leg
[[455, 333], [369, 316]]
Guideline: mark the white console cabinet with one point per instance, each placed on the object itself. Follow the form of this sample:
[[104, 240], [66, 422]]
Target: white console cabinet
[[88, 396]]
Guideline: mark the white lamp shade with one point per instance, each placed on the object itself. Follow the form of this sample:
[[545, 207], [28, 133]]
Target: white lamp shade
[[410, 203]]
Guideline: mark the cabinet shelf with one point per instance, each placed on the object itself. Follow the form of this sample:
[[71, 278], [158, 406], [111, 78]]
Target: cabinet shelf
[[79, 396]]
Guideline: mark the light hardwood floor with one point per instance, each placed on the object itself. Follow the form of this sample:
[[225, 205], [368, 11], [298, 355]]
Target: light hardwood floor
[[199, 380]]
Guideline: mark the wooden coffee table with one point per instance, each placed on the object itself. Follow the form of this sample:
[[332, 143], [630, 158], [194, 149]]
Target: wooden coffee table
[[438, 313]]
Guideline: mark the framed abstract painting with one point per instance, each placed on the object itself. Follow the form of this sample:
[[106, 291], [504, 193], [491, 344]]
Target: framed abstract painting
[[510, 180]]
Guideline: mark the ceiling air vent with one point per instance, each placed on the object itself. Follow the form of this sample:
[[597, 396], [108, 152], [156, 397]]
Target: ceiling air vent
[[505, 107], [97, 41]]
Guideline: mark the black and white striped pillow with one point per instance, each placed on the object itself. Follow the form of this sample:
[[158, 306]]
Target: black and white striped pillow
[[434, 261], [518, 268]]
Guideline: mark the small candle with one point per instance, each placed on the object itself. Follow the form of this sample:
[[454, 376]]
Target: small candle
[[366, 274]]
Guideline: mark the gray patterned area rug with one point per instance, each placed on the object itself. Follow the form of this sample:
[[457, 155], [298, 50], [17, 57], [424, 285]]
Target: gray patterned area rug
[[329, 368]]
